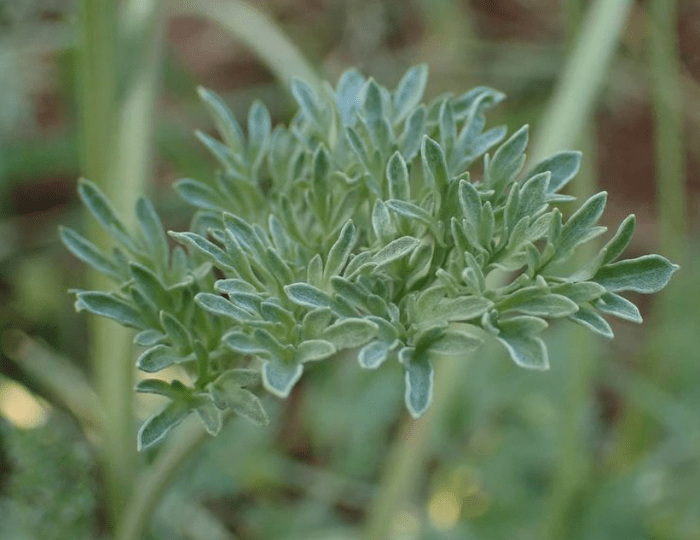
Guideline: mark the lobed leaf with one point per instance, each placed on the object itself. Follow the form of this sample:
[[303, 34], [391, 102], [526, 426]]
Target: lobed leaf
[[157, 426], [419, 376], [646, 274], [112, 307]]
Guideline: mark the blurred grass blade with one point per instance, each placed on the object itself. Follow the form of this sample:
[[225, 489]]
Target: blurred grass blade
[[62, 380], [259, 32], [580, 83], [116, 110], [667, 105]]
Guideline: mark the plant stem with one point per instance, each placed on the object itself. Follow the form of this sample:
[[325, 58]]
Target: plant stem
[[407, 456], [115, 150], [582, 78], [109, 343], [259, 32], [153, 484]]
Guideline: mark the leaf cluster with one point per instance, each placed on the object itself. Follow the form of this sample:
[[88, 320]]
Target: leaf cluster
[[357, 226]]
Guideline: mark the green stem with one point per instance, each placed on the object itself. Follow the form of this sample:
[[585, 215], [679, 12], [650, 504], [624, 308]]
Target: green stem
[[155, 481], [259, 32], [406, 460], [583, 76], [109, 343]]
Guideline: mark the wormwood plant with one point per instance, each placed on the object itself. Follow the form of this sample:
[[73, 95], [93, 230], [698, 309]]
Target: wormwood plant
[[356, 227]]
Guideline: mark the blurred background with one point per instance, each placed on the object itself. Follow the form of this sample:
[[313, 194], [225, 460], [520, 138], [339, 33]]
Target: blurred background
[[604, 445]]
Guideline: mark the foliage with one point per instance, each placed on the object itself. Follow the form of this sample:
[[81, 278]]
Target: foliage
[[359, 227]]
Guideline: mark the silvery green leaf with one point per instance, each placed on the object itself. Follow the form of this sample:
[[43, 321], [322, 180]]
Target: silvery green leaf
[[359, 263], [245, 404], [535, 301], [563, 167], [100, 207], [397, 175], [315, 321], [149, 284], [464, 308], [522, 325], [243, 343], [218, 305], [178, 334], [258, 132], [373, 355], [210, 415], [273, 312], [467, 150], [349, 333], [153, 233], [156, 427], [646, 274], [211, 251], [580, 228], [160, 388], [314, 271], [280, 377], [419, 375], [508, 160], [280, 156], [157, 358], [307, 295], [86, 251], [234, 286], [382, 225], [411, 211], [112, 307], [433, 159], [487, 223], [145, 307], [455, 343], [395, 250], [448, 129], [244, 234], [313, 350], [410, 141], [532, 195], [581, 291], [476, 100], [372, 107], [308, 102], [409, 91], [358, 147], [148, 338], [278, 267], [591, 320], [616, 305], [198, 194], [320, 167], [525, 350], [340, 251], [224, 120], [470, 202], [618, 243], [223, 154], [349, 86], [357, 296], [272, 345], [239, 377]]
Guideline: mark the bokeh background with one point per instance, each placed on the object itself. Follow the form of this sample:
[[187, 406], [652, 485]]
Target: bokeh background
[[604, 445]]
